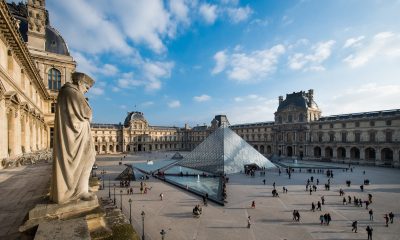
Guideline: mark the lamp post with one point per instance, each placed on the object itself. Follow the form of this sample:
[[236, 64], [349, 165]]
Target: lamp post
[[143, 214], [102, 176], [130, 211], [114, 195], [121, 198], [163, 233], [109, 188]]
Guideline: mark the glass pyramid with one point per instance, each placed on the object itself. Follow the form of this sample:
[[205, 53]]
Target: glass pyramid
[[224, 152]]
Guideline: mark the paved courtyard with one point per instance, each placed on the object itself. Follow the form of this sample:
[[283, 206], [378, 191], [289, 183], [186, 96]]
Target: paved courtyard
[[272, 217], [20, 190]]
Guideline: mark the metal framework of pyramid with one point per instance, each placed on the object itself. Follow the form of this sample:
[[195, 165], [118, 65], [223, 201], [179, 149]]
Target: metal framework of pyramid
[[224, 152]]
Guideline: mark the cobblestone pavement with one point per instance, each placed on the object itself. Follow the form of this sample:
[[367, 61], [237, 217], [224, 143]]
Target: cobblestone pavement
[[272, 217], [20, 190]]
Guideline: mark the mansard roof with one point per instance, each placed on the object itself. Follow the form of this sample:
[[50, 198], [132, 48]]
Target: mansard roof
[[133, 116], [361, 115], [298, 99]]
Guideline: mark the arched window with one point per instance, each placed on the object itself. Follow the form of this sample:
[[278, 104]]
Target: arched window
[[54, 79]]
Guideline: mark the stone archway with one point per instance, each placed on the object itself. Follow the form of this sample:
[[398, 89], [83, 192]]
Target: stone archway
[[139, 147], [103, 148], [262, 149], [317, 152], [387, 155], [255, 147], [111, 148], [269, 149], [328, 152], [341, 153], [289, 151], [370, 154], [355, 153]]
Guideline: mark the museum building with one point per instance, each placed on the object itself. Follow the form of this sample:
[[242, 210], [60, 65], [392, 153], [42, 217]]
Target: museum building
[[298, 131], [34, 64]]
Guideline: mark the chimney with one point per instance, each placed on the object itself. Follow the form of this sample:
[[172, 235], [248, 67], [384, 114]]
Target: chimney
[[310, 97], [280, 99]]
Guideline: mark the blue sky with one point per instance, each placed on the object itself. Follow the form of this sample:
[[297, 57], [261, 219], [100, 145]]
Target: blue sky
[[184, 61]]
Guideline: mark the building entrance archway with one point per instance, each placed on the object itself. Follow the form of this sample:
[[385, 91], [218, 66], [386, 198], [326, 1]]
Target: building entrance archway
[[289, 151], [341, 153]]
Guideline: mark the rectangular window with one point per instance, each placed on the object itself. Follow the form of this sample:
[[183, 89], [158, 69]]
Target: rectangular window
[[372, 136], [331, 137], [388, 137], [53, 107], [320, 137], [357, 137], [344, 137], [51, 137]]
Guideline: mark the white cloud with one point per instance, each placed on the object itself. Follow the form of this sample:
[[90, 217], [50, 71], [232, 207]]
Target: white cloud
[[250, 67], [251, 97], [108, 70], [208, 12], [230, 2], [92, 67], [353, 42], [368, 97], [180, 10], [123, 106], [95, 32], [383, 44], [239, 14], [96, 91], [259, 110], [220, 59], [150, 76], [202, 98], [313, 61], [174, 104]]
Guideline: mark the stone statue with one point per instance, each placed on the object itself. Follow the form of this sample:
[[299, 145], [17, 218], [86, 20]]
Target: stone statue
[[73, 152]]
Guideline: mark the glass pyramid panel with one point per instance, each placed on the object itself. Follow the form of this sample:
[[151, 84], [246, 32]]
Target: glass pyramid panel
[[224, 152]]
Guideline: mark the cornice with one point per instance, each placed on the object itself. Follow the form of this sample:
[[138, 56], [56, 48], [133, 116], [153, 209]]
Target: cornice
[[14, 39]]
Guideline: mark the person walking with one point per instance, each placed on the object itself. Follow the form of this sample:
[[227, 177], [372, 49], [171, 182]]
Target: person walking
[[253, 204], [248, 222], [319, 206], [344, 200], [264, 181], [386, 217], [371, 215], [329, 218], [310, 190], [161, 196], [313, 207], [354, 225], [273, 185], [321, 219], [391, 216], [369, 232]]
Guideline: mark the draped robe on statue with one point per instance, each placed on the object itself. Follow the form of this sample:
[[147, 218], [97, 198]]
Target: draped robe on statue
[[73, 151]]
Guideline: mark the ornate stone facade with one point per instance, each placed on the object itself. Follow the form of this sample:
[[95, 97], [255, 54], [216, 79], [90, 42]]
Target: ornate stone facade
[[34, 64], [299, 131]]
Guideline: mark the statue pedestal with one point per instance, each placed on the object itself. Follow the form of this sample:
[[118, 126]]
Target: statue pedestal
[[47, 212], [63, 229]]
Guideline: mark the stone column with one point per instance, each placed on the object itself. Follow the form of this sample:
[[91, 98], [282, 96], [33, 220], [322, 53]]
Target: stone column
[[396, 160], [348, 155], [3, 130], [11, 132], [334, 150], [23, 132], [34, 132], [31, 133]]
